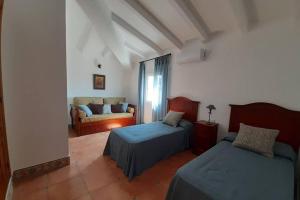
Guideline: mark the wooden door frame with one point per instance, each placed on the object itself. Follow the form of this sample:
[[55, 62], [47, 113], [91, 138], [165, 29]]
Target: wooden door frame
[[5, 171]]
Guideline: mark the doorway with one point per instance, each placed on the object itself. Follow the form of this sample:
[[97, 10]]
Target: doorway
[[4, 159]]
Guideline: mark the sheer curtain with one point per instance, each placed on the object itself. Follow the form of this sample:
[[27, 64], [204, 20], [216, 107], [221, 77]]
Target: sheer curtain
[[141, 93], [160, 86]]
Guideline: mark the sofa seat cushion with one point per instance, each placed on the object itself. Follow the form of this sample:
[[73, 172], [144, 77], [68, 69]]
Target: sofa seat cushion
[[95, 118]]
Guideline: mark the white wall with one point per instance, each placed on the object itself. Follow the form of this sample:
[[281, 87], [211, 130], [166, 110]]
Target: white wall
[[261, 65], [34, 81], [84, 52]]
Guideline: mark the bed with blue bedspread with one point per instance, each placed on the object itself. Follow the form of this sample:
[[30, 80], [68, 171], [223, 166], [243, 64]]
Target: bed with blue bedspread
[[139, 147], [226, 172]]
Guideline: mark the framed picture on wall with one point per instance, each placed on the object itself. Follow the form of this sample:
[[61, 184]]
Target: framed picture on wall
[[99, 82]]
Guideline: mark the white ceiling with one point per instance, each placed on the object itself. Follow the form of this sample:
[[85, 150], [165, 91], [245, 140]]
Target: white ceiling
[[217, 14]]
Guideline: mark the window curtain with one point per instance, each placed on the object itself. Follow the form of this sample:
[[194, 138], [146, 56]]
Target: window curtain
[[141, 93], [160, 85]]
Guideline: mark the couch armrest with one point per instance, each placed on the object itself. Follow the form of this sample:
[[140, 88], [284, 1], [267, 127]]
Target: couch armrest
[[134, 107], [74, 115]]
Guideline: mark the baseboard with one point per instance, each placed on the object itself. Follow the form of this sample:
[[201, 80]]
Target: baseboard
[[40, 169], [9, 191]]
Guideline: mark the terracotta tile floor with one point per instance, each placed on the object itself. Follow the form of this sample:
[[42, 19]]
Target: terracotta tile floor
[[91, 176]]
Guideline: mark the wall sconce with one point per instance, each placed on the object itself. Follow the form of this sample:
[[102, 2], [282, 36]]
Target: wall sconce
[[203, 54]]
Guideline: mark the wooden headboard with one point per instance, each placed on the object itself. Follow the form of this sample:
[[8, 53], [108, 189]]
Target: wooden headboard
[[183, 104], [266, 115]]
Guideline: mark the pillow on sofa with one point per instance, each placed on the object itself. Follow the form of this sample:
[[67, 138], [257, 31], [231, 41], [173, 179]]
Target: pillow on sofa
[[86, 109], [124, 106], [173, 118], [260, 140], [130, 110], [118, 108], [97, 109], [106, 109]]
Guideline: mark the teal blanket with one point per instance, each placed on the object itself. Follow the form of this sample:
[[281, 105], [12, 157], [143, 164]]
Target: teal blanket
[[139, 147], [226, 172]]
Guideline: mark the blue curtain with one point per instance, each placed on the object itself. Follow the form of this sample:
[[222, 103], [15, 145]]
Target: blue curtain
[[141, 93], [160, 85]]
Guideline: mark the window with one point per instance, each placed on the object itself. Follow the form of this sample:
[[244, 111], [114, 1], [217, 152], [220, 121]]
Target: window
[[157, 86], [150, 90], [152, 94]]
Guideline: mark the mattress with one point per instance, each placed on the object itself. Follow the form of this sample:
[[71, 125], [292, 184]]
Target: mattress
[[139, 147], [226, 172]]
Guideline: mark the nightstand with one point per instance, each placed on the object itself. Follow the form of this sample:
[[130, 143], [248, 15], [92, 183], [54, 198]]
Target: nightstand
[[204, 136]]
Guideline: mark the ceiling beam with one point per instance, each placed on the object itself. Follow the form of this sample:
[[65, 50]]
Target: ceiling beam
[[135, 32], [84, 36], [145, 13], [192, 14], [100, 17], [245, 14], [105, 51], [134, 50]]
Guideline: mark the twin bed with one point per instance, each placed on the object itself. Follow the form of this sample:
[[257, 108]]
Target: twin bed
[[137, 148], [224, 172]]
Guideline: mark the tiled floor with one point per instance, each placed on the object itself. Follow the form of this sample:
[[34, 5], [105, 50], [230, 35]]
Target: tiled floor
[[94, 177]]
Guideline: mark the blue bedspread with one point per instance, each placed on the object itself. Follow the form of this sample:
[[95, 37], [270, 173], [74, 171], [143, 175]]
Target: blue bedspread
[[136, 148], [226, 172]]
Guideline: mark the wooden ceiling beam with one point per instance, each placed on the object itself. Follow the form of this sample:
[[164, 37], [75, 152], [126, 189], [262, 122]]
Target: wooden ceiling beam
[[154, 21], [245, 14], [121, 22], [192, 14], [100, 18], [134, 50]]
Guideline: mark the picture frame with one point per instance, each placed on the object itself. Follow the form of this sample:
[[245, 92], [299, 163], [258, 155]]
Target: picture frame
[[99, 82]]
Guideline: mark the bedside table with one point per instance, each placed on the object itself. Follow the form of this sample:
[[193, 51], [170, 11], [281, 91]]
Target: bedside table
[[204, 136]]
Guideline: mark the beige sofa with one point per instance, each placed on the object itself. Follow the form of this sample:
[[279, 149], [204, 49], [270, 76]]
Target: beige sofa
[[103, 122]]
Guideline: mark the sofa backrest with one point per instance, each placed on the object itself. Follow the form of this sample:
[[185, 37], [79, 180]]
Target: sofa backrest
[[97, 100], [113, 100]]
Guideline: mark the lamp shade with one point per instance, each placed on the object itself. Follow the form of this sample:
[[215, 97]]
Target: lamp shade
[[211, 107]]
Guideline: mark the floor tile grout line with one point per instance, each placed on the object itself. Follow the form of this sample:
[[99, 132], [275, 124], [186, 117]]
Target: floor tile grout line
[[80, 174], [85, 184]]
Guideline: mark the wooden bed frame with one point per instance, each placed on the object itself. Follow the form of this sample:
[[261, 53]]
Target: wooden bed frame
[[183, 104], [271, 116]]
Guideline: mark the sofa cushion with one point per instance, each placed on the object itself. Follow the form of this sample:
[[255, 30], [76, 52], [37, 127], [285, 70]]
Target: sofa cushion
[[124, 106], [96, 108], [86, 109], [118, 108], [106, 109], [95, 118], [87, 100], [113, 100]]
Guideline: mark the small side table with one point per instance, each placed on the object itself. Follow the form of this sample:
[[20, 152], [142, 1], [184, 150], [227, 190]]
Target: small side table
[[204, 136]]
